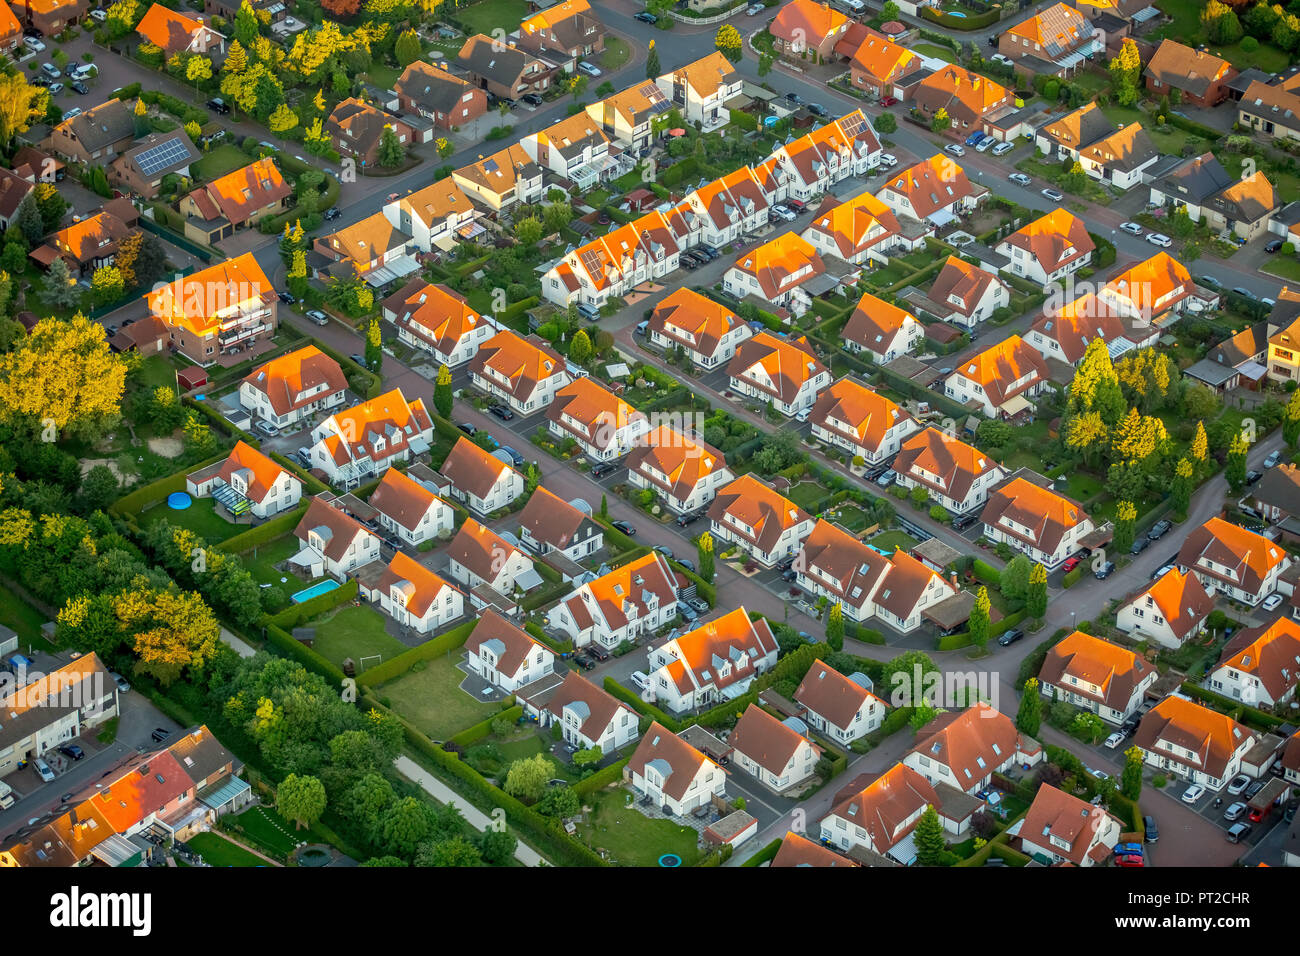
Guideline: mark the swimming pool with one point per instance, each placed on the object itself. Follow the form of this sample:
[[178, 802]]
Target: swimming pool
[[316, 590]]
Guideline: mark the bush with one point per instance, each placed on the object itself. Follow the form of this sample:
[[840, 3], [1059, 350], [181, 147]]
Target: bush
[[1072, 577]]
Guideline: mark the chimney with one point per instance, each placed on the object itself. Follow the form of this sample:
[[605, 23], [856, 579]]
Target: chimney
[[952, 578]]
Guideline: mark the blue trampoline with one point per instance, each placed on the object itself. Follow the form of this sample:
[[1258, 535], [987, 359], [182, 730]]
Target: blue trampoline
[[179, 501]]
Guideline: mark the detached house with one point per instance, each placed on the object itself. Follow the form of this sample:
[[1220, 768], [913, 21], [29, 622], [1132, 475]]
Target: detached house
[[1260, 665], [563, 33], [964, 749], [502, 180], [224, 309], [363, 441], [51, 17], [1201, 77], [1169, 612], [247, 482], [897, 590], [880, 816], [628, 116], [807, 28], [774, 752], [91, 243], [962, 294], [1245, 208], [1053, 42], [437, 321], [1063, 137], [784, 372], [604, 426], [760, 522], [446, 100], [708, 331], [717, 660], [503, 69], [408, 511], [867, 425], [879, 63], [859, 230], [357, 129], [574, 149], [1277, 495], [672, 773], [1001, 379], [588, 716], [1049, 248], [799, 851], [142, 168], [1272, 107], [413, 595], [95, 136], [935, 190], [1155, 289], [1045, 526], [840, 708], [506, 656], [434, 217], [480, 480], [367, 245], [550, 524], [291, 389], [1101, 677], [523, 373], [970, 100], [1065, 829], [1186, 740], [701, 90], [958, 476], [685, 472], [1228, 558], [1065, 333], [882, 330], [1121, 158], [631, 601], [174, 33], [242, 198], [479, 556], [333, 542]]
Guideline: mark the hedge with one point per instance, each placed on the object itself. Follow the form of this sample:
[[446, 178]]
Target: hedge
[[706, 590], [298, 614], [1072, 577], [727, 711], [1188, 125], [601, 778], [619, 692], [136, 501], [223, 425], [1121, 805], [472, 735], [292, 647], [764, 855], [1234, 708], [560, 647], [987, 573], [396, 666], [264, 532]]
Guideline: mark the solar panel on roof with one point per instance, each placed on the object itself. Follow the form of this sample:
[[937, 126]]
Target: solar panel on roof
[[161, 156]]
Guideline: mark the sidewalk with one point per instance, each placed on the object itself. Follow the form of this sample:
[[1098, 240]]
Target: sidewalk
[[473, 816]]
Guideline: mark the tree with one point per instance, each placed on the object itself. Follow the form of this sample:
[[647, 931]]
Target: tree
[[1180, 489], [580, 347], [342, 8], [51, 204], [392, 152], [727, 41], [979, 618], [835, 627], [246, 27], [407, 49], [940, 121], [527, 777], [765, 61], [1291, 420], [236, 59], [1200, 443], [652, 68], [1131, 778], [577, 86], [886, 123], [704, 554], [1220, 24], [374, 346], [1015, 578], [198, 70], [1030, 715], [890, 11], [282, 119], [60, 290], [1036, 600], [300, 799], [1234, 468], [171, 631], [442, 398], [1125, 522], [99, 488], [20, 105], [1095, 386], [29, 219], [1125, 71], [529, 231], [559, 802], [456, 851], [107, 285], [928, 837], [197, 436], [497, 847]]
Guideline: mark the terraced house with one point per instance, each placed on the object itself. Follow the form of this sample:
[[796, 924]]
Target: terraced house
[[220, 312], [702, 89], [1101, 677], [718, 660], [1041, 524], [956, 475], [685, 472], [839, 707], [53, 708], [614, 264], [604, 426], [292, 388], [776, 272], [867, 425], [831, 153], [576, 149], [365, 440], [523, 373], [412, 594], [1000, 380], [730, 206], [480, 480], [438, 321], [1226, 557], [756, 519], [708, 331], [1181, 738], [783, 372], [1259, 665], [633, 600], [1050, 248], [247, 482]]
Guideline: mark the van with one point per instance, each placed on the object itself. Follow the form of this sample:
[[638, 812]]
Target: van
[[43, 770], [641, 679], [855, 6], [7, 798], [1238, 832]]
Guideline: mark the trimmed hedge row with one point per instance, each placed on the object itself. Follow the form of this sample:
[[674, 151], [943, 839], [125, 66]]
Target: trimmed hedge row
[[312, 485], [537, 631], [646, 709], [131, 503], [472, 735], [298, 614], [266, 531], [706, 590], [1072, 577], [764, 855], [396, 666], [291, 647], [601, 778], [987, 573], [221, 423], [1234, 708]]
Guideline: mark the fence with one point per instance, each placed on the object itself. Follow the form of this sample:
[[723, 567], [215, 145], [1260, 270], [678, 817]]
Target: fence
[[176, 239]]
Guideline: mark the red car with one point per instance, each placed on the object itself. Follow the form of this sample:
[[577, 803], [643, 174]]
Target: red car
[[888, 100], [1129, 859], [1072, 563], [1258, 814]]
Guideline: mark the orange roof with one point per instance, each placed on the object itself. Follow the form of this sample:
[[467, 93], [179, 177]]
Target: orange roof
[[954, 84], [516, 364], [1250, 556], [403, 499], [1186, 725], [1116, 670], [724, 639], [693, 321], [358, 430], [365, 241], [884, 806], [943, 463], [798, 850], [9, 25], [731, 197], [786, 365], [628, 586], [1055, 814], [1151, 286], [757, 506], [90, 238], [436, 202], [481, 550], [199, 301], [863, 416], [420, 585], [931, 184], [1074, 325], [1055, 240], [1270, 652], [144, 790], [766, 740], [875, 322], [545, 19], [167, 29], [591, 411], [437, 315], [286, 378], [1056, 31], [238, 194], [673, 462], [706, 75], [857, 224], [998, 368], [1046, 514], [1181, 598], [971, 743], [260, 473], [881, 57], [782, 264], [807, 22]]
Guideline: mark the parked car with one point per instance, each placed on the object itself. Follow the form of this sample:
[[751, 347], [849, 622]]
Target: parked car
[[532, 99], [1238, 784], [1235, 811], [1253, 790], [588, 312], [974, 138], [304, 456], [1020, 179], [122, 685], [1160, 239], [645, 17], [954, 150], [1140, 545], [320, 318], [1010, 637], [1272, 246], [1257, 814], [1152, 832], [689, 262], [623, 526], [1272, 602], [601, 469], [1272, 460], [331, 213], [688, 519], [501, 412], [754, 9], [1071, 564], [1052, 194], [796, 204], [50, 70], [218, 105], [518, 459], [1122, 849], [641, 679], [160, 734], [582, 660], [888, 101], [100, 15], [286, 298], [1131, 227], [598, 652], [1114, 740], [56, 89], [794, 99], [887, 478], [43, 769], [1253, 476], [687, 612], [266, 428], [663, 549], [1159, 529], [1001, 149], [589, 68], [468, 428], [33, 44], [787, 214], [1238, 832], [1129, 860], [1099, 774], [888, 160], [72, 751], [1161, 571], [700, 605]]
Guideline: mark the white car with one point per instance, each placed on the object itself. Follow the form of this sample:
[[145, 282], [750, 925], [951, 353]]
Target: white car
[[1272, 602], [1055, 195], [1160, 239], [1115, 739], [1001, 58], [1001, 149], [1238, 784], [43, 770], [1131, 227], [802, 414], [1099, 774], [75, 111], [888, 160], [1020, 179], [1193, 793], [1272, 459], [755, 9], [33, 44], [954, 149], [588, 68], [785, 213], [50, 70], [100, 15]]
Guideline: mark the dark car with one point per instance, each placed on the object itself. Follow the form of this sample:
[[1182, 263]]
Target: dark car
[[1103, 572], [1159, 529], [332, 213], [1253, 476], [789, 574], [1140, 545], [887, 101], [73, 751], [1273, 246], [687, 563], [217, 105], [583, 661], [962, 522], [689, 263], [645, 17], [160, 734], [597, 652], [467, 428], [794, 98], [624, 527], [684, 520], [796, 205], [1153, 833], [79, 87], [816, 109], [286, 298], [501, 412], [38, 80], [532, 99], [601, 469], [1011, 636], [1253, 789], [515, 457], [702, 252]]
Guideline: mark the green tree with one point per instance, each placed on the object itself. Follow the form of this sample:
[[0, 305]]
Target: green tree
[[1180, 489], [374, 346], [52, 205], [1131, 778], [246, 28], [30, 221], [1220, 24], [300, 799], [456, 851], [886, 123], [928, 837], [442, 398], [1036, 600], [282, 119], [1234, 467], [1095, 386], [940, 121], [580, 347], [107, 285], [1125, 525], [979, 618], [1015, 578], [497, 847], [1291, 420], [20, 104], [527, 777], [652, 67], [835, 627], [704, 554], [728, 42], [1125, 72], [60, 288], [407, 49], [392, 153], [529, 231], [1030, 715], [559, 802]]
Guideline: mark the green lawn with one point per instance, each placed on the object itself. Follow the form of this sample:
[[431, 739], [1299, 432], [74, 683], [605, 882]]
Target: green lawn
[[385, 77], [615, 55], [1288, 184], [221, 160], [270, 832], [261, 561], [937, 52], [633, 839], [1284, 267], [429, 696], [890, 540], [850, 518], [355, 632], [493, 14], [24, 619], [201, 517], [808, 495], [218, 851]]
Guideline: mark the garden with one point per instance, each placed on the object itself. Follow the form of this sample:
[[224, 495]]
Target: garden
[[356, 632], [630, 838], [429, 696]]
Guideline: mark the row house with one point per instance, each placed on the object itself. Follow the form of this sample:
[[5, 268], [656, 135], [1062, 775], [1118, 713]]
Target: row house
[[604, 426], [632, 601], [361, 442], [1228, 558], [773, 751], [840, 708], [1045, 526], [817, 160], [506, 656], [611, 266], [1181, 738], [708, 331], [867, 425], [226, 308], [523, 373], [438, 321], [47, 710], [1170, 611], [288, 391], [575, 149], [731, 206], [550, 525], [480, 480], [1000, 380], [1096, 675], [776, 272], [717, 660], [434, 217], [247, 483], [685, 472], [760, 522], [413, 595], [935, 190], [410, 512], [957, 476], [333, 542]]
